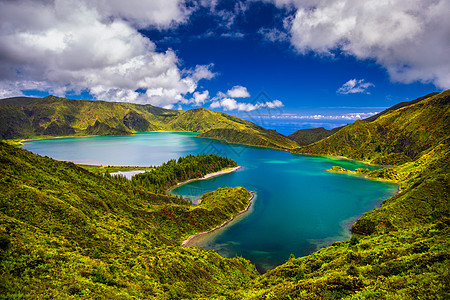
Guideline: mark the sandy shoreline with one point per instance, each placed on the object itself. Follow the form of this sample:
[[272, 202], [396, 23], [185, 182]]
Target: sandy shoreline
[[207, 176], [189, 239]]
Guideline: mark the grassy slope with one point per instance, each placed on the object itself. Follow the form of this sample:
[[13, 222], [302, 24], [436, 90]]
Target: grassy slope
[[66, 232], [75, 234], [394, 138], [400, 252], [53, 116], [305, 137], [398, 106]]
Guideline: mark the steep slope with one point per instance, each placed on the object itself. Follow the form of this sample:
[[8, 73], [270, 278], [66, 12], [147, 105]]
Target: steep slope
[[202, 120], [305, 137], [398, 106], [68, 233], [400, 250], [309, 136], [394, 138]]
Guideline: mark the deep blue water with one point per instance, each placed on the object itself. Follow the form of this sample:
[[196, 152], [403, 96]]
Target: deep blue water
[[299, 207]]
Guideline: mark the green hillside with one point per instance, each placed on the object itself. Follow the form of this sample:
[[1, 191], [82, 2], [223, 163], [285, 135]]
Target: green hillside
[[394, 138], [68, 233], [398, 106], [398, 251], [52, 116], [309, 136], [305, 137]]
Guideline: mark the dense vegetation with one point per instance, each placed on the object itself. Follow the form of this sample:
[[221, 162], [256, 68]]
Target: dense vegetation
[[185, 168], [398, 251], [394, 138], [52, 116], [68, 233]]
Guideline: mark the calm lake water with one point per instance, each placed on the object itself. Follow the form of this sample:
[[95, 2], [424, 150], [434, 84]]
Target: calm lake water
[[299, 207]]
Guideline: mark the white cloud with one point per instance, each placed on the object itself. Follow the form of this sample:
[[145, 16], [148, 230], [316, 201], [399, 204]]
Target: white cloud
[[273, 104], [354, 86], [162, 13], [229, 104], [238, 92], [202, 72], [408, 38], [66, 46], [200, 98]]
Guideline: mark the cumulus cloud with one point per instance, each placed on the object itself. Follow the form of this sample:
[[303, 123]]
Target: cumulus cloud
[[199, 99], [408, 38], [162, 13], [238, 92], [229, 104], [354, 86], [66, 46]]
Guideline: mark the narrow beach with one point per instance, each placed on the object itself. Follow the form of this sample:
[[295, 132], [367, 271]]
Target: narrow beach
[[189, 239]]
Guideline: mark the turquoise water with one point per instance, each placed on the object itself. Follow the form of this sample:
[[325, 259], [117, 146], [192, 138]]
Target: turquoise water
[[299, 207]]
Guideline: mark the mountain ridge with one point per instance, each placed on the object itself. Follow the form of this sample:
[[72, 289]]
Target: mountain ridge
[[309, 136], [24, 117]]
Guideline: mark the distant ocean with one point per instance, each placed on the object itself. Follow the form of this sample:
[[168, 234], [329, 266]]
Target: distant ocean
[[288, 126]]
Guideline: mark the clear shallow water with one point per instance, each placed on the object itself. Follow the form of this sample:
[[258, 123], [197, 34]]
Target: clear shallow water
[[299, 207]]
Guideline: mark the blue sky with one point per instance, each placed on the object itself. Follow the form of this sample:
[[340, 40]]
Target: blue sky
[[302, 63]]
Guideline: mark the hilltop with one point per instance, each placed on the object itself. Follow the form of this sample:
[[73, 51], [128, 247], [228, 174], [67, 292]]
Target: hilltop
[[309, 136], [394, 137], [25, 118]]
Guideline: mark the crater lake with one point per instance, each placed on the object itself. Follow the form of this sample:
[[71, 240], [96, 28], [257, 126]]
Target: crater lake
[[298, 208]]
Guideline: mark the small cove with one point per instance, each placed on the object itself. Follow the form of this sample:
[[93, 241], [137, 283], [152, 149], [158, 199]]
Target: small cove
[[298, 207]]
